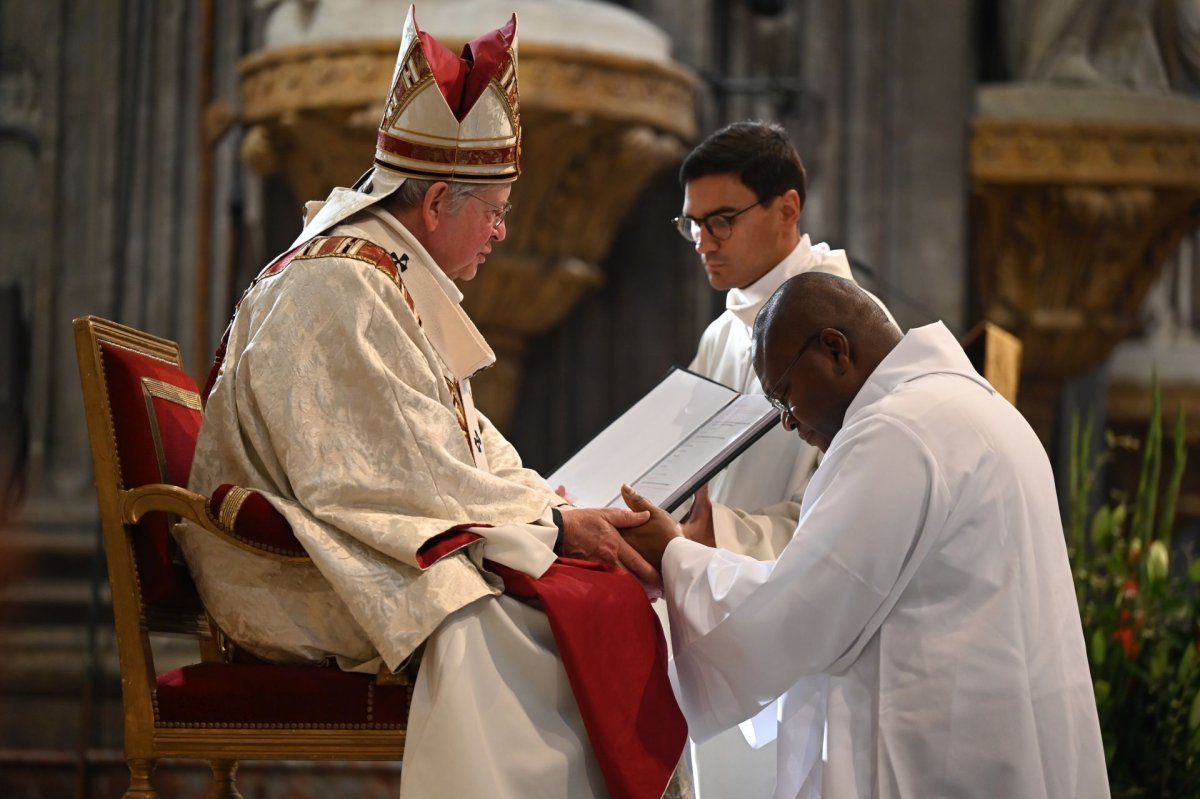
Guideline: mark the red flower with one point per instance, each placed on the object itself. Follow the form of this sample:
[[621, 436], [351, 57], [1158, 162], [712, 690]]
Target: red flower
[[1127, 631]]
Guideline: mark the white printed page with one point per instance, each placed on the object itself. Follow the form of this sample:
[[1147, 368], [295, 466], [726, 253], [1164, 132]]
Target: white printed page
[[694, 461], [639, 438]]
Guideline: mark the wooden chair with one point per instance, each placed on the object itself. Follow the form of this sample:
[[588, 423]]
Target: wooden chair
[[143, 415], [996, 354]]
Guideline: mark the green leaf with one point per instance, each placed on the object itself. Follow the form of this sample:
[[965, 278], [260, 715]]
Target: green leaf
[[1075, 468], [1119, 515], [1194, 571], [1079, 480], [1166, 522], [1099, 648], [1159, 662], [1194, 716], [1103, 692], [1146, 498], [1187, 663], [1102, 529]]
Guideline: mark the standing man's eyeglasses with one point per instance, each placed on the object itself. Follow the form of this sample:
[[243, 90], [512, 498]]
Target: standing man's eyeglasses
[[497, 213], [719, 226]]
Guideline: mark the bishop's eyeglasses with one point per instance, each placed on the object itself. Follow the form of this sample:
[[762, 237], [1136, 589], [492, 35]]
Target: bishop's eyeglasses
[[497, 212], [718, 225]]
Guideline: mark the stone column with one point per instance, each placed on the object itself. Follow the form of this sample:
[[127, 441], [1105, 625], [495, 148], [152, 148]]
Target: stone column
[[1078, 198]]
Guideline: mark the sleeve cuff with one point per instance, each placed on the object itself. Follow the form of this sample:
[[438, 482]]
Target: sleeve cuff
[[725, 527], [556, 514], [677, 551]]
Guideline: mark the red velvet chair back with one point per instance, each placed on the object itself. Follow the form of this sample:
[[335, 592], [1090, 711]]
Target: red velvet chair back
[[143, 416], [154, 416]]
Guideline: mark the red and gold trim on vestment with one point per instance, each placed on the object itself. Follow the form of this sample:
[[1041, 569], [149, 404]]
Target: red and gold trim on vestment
[[349, 247], [460, 410]]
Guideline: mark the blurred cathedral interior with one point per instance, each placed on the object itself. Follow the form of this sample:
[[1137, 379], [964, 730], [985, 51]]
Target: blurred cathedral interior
[[1030, 163]]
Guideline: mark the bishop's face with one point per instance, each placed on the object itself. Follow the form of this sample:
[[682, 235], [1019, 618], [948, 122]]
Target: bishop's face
[[463, 238]]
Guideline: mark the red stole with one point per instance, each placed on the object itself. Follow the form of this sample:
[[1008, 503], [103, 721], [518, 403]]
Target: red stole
[[615, 656]]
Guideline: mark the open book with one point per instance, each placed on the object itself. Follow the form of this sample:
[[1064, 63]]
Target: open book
[[671, 442]]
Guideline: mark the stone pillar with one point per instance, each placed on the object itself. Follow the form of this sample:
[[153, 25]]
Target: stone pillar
[[1078, 198]]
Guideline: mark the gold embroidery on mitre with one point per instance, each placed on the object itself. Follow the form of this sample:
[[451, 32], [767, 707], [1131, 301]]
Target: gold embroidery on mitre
[[423, 133], [412, 72]]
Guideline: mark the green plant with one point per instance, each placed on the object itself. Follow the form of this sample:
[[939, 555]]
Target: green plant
[[1138, 603]]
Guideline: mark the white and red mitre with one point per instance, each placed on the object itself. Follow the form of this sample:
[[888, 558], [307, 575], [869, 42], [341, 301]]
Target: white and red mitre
[[452, 117], [447, 117]]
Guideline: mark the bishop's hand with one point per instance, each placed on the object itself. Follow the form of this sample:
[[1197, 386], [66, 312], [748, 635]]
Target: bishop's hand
[[650, 539], [592, 534]]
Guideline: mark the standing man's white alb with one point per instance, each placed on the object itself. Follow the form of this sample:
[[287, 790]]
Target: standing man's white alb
[[744, 193]]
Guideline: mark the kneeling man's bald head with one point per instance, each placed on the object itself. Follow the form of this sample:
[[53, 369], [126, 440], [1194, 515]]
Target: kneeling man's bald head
[[816, 341]]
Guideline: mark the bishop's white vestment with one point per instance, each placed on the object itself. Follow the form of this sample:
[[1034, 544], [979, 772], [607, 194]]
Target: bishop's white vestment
[[924, 608], [344, 398]]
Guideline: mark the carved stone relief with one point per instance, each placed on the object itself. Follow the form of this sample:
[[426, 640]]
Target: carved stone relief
[[1073, 222]]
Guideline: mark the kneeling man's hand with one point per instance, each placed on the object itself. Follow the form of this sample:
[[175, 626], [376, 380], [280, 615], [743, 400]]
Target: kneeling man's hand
[[591, 534], [650, 539]]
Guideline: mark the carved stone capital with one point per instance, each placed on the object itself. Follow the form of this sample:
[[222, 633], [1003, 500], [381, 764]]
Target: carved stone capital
[[1072, 223], [319, 103], [1083, 152], [1066, 267], [512, 299]]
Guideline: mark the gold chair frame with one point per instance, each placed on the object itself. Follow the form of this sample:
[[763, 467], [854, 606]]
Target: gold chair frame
[[121, 508]]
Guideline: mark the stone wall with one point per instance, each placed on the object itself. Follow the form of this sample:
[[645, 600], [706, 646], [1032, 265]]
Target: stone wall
[[100, 149], [877, 100], [103, 156]]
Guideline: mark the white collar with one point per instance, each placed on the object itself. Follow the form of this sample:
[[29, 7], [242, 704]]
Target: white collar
[[343, 203], [931, 349], [450, 331], [745, 303]]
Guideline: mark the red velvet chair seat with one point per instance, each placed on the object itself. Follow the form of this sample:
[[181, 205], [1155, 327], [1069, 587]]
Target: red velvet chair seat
[[254, 695]]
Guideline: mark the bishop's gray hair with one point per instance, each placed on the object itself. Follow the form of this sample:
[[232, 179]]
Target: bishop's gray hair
[[412, 192]]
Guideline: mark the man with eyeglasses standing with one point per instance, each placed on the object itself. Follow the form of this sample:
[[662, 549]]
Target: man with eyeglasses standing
[[744, 192], [341, 394]]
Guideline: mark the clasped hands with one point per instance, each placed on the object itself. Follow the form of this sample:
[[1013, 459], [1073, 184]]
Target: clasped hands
[[634, 539]]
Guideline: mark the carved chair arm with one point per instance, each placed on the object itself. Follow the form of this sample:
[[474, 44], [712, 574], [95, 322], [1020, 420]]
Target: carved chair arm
[[194, 507]]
